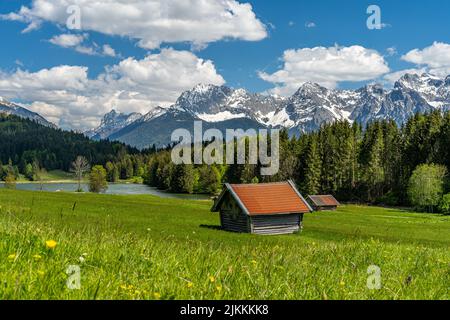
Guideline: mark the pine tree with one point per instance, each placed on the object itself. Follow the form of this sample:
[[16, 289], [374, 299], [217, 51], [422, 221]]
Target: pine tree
[[314, 167]]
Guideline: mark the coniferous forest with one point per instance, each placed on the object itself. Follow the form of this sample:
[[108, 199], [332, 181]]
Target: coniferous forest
[[368, 165], [27, 146]]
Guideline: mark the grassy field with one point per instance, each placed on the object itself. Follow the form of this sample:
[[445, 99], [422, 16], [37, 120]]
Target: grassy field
[[52, 176], [144, 247], [69, 177]]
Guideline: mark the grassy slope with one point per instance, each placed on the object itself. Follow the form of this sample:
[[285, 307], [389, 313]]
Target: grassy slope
[[68, 177], [51, 176], [147, 247]]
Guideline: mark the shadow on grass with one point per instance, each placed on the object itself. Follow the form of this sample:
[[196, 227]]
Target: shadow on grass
[[207, 226]]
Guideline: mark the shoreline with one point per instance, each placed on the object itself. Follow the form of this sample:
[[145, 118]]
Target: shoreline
[[45, 182]]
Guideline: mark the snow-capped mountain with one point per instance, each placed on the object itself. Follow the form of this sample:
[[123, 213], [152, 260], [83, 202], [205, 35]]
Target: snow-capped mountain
[[313, 105], [219, 103], [10, 108], [111, 123], [306, 110]]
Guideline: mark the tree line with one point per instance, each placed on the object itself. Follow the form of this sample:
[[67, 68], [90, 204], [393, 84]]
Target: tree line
[[375, 164], [371, 165], [26, 143], [30, 149]]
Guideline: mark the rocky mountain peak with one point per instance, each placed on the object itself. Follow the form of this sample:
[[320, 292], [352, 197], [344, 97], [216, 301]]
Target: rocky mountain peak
[[307, 109], [309, 88], [8, 108]]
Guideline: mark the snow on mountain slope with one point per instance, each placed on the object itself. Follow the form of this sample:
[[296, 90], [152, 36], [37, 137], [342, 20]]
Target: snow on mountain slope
[[7, 107], [221, 116]]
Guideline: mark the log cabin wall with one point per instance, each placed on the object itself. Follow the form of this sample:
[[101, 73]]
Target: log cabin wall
[[232, 218], [276, 224]]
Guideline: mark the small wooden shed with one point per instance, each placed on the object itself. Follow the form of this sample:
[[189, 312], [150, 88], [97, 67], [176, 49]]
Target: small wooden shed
[[266, 208], [323, 202]]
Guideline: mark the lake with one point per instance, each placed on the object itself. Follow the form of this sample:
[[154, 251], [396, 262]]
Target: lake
[[113, 188]]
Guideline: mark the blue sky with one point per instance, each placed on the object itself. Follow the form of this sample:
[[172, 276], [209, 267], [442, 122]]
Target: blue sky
[[238, 60]]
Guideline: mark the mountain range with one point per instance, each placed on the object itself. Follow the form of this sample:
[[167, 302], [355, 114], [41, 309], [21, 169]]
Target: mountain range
[[10, 108], [306, 110]]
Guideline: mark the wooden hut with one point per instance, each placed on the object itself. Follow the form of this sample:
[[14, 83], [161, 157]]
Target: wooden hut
[[323, 202], [266, 208]]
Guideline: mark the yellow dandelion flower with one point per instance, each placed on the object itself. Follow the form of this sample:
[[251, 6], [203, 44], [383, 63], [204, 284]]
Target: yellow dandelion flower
[[50, 244], [157, 295], [190, 284], [37, 257], [12, 257], [219, 288], [212, 279], [342, 283]]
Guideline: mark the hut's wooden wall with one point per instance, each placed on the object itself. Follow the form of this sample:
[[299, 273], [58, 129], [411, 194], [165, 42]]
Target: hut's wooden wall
[[232, 218], [325, 208], [276, 224]]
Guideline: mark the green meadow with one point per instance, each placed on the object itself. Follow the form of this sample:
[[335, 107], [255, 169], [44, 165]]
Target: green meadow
[[145, 247]]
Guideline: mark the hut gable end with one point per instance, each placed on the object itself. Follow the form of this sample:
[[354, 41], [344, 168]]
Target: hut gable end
[[269, 208]]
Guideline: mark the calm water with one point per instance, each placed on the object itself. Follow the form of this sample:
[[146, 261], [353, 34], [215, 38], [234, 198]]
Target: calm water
[[113, 188]]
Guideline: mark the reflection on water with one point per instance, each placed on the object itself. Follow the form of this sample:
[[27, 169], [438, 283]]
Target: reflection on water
[[113, 188]]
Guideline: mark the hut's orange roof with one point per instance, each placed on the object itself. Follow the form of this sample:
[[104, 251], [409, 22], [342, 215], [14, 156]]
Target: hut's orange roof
[[267, 198]]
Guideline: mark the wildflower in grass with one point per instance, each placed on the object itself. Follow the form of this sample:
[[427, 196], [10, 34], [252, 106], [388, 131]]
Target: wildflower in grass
[[219, 288], [157, 295], [123, 286], [50, 244], [190, 284], [82, 258], [37, 257], [342, 283], [212, 279], [12, 257]]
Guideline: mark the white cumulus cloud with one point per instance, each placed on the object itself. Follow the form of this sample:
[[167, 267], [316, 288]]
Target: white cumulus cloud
[[435, 58], [68, 40], [75, 41], [67, 96], [152, 22], [109, 51], [326, 66]]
